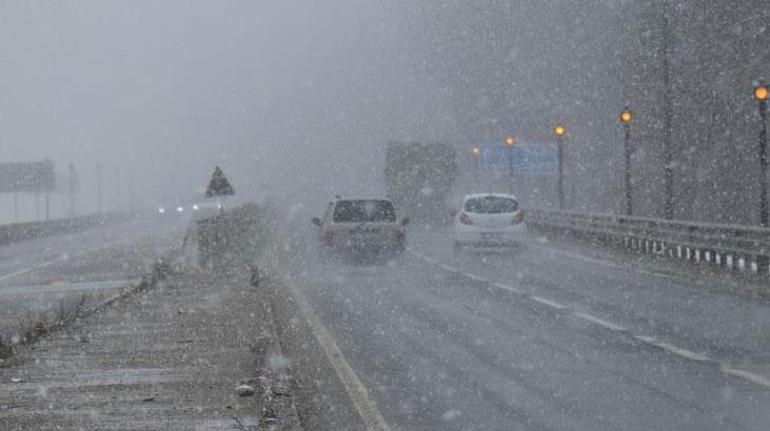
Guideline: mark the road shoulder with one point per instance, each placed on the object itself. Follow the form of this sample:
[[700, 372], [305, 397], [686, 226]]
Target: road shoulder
[[169, 357]]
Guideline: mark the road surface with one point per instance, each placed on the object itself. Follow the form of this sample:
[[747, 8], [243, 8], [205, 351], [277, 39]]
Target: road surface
[[543, 338], [36, 276]]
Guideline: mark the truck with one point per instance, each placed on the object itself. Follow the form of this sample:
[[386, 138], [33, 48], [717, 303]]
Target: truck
[[419, 178]]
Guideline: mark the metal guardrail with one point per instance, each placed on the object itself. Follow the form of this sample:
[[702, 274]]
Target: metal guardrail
[[737, 247]]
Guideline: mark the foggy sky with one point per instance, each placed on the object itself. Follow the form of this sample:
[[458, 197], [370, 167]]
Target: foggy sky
[[284, 95]]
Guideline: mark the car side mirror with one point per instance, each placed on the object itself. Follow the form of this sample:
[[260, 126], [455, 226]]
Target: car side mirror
[[404, 221], [316, 221]]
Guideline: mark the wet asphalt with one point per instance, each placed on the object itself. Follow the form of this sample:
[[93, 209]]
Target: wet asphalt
[[541, 337]]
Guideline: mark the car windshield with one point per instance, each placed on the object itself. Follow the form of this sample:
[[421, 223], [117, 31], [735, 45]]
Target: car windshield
[[490, 205], [359, 211]]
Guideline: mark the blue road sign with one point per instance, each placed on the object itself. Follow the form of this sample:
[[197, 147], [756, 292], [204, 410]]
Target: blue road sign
[[525, 159]]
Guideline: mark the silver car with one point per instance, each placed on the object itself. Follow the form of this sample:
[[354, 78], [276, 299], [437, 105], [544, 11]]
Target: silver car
[[361, 227]]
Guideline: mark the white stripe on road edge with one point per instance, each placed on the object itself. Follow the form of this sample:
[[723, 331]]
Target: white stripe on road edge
[[476, 277], [448, 268], [754, 378], [46, 264], [356, 390], [600, 322], [32, 268], [673, 349], [548, 302], [508, 288]]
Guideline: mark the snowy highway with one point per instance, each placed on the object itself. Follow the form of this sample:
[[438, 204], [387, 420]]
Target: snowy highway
[[542, 337], [546, 336], [38, 275]]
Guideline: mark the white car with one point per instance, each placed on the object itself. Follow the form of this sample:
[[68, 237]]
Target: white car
[[489, 219]]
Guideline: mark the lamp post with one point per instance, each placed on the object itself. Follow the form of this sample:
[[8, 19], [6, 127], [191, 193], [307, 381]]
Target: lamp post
[[761, 94], [625, 118], [560, 130], [509, 142], [475, 151]]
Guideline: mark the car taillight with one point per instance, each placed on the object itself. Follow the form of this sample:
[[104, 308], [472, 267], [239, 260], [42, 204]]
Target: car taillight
[[518, 217], [464, 219]]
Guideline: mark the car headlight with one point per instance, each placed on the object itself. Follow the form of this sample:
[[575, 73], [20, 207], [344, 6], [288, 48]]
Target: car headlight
[[180, 209], [196, 207], [161, 210]]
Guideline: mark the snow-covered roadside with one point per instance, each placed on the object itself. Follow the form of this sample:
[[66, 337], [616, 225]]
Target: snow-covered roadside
[[167, 358]]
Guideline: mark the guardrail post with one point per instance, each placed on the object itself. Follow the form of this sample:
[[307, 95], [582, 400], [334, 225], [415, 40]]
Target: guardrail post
[[763, 264]]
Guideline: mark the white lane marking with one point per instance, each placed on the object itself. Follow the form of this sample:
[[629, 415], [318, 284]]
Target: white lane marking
[[689, 354], [356, 390], [448, 268], [32, 268], [508, 288], [475, 277], [754, 378], [600, 322], [548, 302], [579, 256], [68, 287]]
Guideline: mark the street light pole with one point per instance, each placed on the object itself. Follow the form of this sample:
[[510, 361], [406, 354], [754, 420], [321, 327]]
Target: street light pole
[[625, 117], [475, 153], [509, 141], [560, 131], [761, 94]]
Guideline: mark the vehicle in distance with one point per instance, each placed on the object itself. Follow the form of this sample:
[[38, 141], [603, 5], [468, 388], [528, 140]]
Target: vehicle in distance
[[361, 227], [419, 178], [488, 219]]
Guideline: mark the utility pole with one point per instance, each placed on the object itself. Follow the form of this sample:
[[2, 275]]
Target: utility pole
[[99, 188], [668, 112]]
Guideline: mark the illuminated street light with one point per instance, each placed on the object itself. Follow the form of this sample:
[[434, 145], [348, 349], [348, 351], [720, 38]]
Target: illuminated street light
[[626, 116], [475, 151], [509, 140], [559, 130], [760, 92]]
